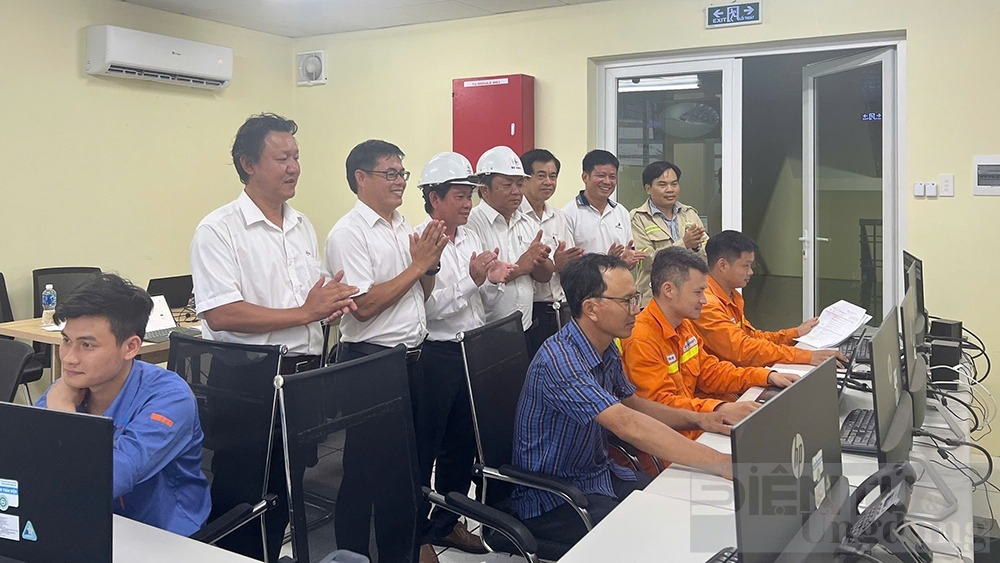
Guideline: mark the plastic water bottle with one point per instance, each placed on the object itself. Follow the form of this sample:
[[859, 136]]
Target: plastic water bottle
[[48, 305]]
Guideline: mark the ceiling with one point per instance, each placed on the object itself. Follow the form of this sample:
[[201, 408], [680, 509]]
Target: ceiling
[[303, 18]]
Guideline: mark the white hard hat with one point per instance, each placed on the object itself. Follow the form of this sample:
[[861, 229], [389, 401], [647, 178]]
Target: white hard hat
[[500, 160], [449, 167]]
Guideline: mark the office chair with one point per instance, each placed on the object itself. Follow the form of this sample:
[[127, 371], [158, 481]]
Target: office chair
[[232, 384], [14, 358], [348, 432], [33, 371], [64, 280], [496, 364]]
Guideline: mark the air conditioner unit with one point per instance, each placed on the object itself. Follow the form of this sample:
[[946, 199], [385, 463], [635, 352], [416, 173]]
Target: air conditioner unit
[[127, 53]]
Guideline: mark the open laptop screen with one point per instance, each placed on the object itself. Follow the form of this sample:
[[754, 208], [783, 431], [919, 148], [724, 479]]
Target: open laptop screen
[[55, 485]]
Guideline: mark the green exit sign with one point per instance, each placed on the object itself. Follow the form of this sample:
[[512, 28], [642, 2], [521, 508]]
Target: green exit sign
[[728, 15]]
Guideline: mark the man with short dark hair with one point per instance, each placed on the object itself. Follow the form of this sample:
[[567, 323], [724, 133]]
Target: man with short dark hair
[[576, 393], [665, 358], [542, 168], [722, 324], [598, 223], [157, 443]]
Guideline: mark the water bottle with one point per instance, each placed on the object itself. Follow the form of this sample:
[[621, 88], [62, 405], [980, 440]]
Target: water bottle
[[48, 305]]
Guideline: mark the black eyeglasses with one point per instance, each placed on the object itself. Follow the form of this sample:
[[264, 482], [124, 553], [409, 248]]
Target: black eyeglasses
[[390, 175], [631, 302]]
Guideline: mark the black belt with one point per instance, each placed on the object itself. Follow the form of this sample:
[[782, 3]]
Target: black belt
[[444, 345], [298, 364], [366, 348]]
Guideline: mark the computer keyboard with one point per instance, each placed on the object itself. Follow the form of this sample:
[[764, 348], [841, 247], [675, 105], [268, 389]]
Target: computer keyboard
[[864, 354], [163, 335], [726, 555], [857, 433]]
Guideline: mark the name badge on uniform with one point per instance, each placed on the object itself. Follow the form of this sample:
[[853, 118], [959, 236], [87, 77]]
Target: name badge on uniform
[[671, 358], [690, 343]]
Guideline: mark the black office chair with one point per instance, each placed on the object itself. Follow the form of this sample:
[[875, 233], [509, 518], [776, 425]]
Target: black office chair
[[233, 385], [14, 358], [64, 280], [33, 371], [348, 428], [496, 364]]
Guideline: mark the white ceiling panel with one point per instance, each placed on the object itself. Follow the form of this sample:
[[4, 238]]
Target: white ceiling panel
[[303, 18]]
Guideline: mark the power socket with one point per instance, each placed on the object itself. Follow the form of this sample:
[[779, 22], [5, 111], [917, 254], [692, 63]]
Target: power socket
[[918, 189], [930, 189], [947, 185]]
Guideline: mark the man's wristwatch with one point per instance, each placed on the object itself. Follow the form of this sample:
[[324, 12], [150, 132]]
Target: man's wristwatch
[[433, 271]]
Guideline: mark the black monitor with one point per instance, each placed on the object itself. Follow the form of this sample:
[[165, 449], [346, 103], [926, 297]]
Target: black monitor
[[917, 281], [55, 485], [786, 464], [915, 366], [177, 290], [892, 403]]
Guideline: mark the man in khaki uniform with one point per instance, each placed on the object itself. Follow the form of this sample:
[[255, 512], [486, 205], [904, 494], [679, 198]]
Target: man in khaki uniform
[[663, 221]]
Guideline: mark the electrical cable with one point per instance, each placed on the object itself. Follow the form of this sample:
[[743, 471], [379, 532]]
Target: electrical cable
[[924, 525]]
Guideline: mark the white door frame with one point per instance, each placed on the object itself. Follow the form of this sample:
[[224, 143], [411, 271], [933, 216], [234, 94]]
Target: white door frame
[[891, 250], [731, 104], [606, 116]]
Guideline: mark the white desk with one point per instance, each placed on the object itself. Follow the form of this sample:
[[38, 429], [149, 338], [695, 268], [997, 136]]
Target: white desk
[[649, 527], [135, 541]]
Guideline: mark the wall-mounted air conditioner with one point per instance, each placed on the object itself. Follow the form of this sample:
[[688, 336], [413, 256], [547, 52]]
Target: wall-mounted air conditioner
[[127, 53]]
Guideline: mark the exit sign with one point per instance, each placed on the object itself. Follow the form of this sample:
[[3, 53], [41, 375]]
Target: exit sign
[[744, 13]]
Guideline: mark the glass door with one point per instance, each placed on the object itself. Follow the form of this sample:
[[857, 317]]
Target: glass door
[[848, 172], [685, 113]]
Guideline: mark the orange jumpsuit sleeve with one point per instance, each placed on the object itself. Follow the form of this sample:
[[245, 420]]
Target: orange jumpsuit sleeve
[[730, 342], [646, 366], [719, 377]]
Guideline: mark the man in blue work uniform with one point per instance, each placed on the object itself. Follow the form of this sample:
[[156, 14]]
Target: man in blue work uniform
[[157, 447]]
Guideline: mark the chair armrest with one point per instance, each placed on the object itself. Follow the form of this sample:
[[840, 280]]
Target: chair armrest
[[233, 519], [492, 518], [548, 483], [32, 372]]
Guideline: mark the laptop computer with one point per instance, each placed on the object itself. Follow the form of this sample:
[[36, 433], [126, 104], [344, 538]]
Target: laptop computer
[[177, 290], [161, 322], [55, 485]]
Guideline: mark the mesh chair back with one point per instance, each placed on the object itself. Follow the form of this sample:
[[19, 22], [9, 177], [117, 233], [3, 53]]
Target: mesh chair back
[[6, 313], [64, 280], [496, 363], [14, 357], [348, 428]]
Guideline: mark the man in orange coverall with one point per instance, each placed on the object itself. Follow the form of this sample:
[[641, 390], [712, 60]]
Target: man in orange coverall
[[664, 356], [726, 331]]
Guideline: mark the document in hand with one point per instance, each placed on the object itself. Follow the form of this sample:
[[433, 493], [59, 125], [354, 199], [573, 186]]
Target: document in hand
[[836, 323]]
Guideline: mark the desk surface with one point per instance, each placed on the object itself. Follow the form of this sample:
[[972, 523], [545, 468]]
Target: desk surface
[[31, 329], [135, 541]]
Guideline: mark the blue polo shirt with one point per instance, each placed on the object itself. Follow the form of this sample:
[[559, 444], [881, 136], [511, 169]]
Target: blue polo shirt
[[157, 451], [555, 431]]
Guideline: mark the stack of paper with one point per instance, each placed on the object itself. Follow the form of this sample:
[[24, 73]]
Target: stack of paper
[[836, 323]]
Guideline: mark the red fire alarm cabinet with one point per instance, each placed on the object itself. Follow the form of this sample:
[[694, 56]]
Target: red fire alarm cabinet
[[491, 111]]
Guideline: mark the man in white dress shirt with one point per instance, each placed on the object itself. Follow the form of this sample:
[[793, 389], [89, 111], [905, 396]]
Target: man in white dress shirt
[[599, 224], [394, 269], [257, 280], [468, 277], [542, 168], [501, 225]]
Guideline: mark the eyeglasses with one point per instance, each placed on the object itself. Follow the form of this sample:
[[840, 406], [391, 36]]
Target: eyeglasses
[[631, 302], [391, 175]]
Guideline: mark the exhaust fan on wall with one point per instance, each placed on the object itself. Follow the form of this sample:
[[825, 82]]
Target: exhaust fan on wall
[[311, 68]]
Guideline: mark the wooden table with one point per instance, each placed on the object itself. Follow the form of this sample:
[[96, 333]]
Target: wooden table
[[31, 330]]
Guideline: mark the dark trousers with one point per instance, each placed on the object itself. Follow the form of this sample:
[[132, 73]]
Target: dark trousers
[[563, 525], [369, 489], [237, 477], [450, 433], [544, 323]]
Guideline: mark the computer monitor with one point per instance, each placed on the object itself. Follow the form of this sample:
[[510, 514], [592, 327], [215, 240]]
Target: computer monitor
[[915, 368], [786, 464], [892, 403], [55, 485], [917, 282], [176, 289]]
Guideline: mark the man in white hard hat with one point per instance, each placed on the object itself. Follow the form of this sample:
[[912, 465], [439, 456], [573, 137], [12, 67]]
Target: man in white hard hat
[[394, 269], [500, 224], [542, 168], [598, 223], [469, 277]]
